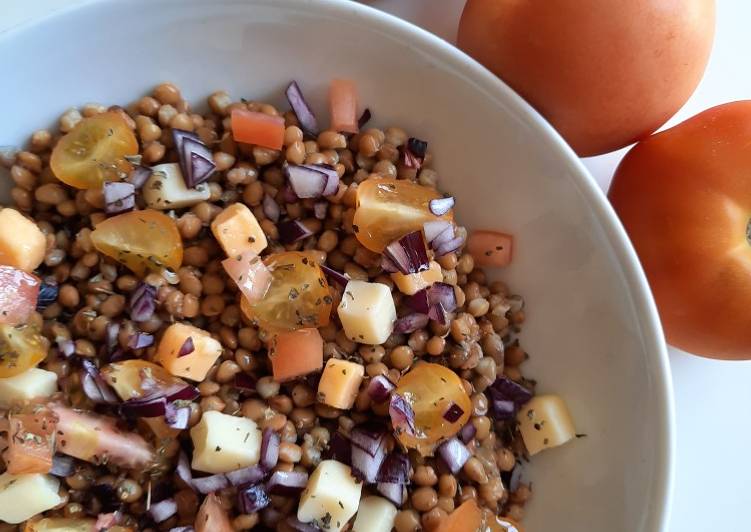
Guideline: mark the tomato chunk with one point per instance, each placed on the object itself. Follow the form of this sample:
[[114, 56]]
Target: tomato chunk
[[250, 274], [343, 105], [490, 248], [21, 348], [258, 128], [211, 517], [297, 353], [31, 442], [18, 295]]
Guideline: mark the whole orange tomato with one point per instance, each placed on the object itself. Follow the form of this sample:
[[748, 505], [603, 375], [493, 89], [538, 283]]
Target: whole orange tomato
[[605, 73], [684, 196]]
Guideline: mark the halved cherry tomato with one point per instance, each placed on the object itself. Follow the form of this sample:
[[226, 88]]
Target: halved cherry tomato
[[31, 441], [18, 295], [94, 151], [258, 128], [141, 240], [21, 348], [343, 105]]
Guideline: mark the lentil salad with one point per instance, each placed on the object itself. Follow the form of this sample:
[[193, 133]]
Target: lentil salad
[[230, 308]]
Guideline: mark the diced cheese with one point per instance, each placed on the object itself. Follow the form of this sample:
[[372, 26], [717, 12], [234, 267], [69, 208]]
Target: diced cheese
[[375, 514], [545, 422], [237, 230], [24, 496], [223, 443], [166, 189], [30, 384], [367, 312], [339, 383], [331, 496], [412, 283], [194, 365], [22, 243]]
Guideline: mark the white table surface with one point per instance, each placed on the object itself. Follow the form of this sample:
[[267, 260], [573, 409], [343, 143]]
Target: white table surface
[[713, 399]]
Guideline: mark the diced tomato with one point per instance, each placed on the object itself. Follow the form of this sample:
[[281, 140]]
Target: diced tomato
[[343, 105], [490, 248], [258, 128], [18, 295], [466, 518], [31, 442], [297, 353], [250, 274], [211, 517]]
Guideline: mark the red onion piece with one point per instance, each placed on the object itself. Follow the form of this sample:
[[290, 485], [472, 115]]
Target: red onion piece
[[332, 178], [195, 158], [453, 413], [184, 392], [163, 510], [48, 292], [418, 147], [211, 483], [297, 525], [306, 181], [441, 206], [379, 389], [388, 265], [288, 195], [367, 438], [410, 323], [140, 340], [147, 407], [393, 492], [118, 196], [252, 499], [364, 118], [419, 301], [62, 465], [176, 418], [245, 382], [202, 167], [468, 432], [395, 469], [338, 278], [111, 332], [292, 231], [454, 453], [409, 253], [182, 529], [247, 475], [183, 471], [366, 466], [435, 228], [94, 385], [270, 442], [187, 347], [287, 483], [300, 107], [320, 208], [271, 208], [449, 247], [340, 449], [139, 175], [413, 153], [402, 415], [506, 397], [142, 302]]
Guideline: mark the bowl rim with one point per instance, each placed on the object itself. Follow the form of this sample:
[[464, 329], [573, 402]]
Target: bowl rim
[[657, 515]]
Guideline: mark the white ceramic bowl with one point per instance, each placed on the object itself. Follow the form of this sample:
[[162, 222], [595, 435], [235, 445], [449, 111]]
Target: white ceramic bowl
[[593, 333]]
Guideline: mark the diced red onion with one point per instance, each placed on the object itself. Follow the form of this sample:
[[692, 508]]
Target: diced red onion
[[148, 407], [139, 175], [287, 483], [369, 439], [66, 347], [300, 107], [402, 415], [366, 466], [211, 483], [202, 167], [163, 510], [111, 332], [269, 449], [62, 465], [364, 118], [320, 208], [176, 418], [379, 389], [393, 492], [306, 180], [187, 348], [332, 178], [292, 231], [245, 382], [417, 146], [140, 340], [454, 453], [340, 449], [453, 413], [252, 499], [436, 301], [107, 521], [247, 475], [410, 323], [297, 525], [143, 302], [288, 195], [449, 247], [184, 392], [434, 228], [506, 397], [183, 471], [94, 385], [468, 432], [338, 278], [395, 469], [388, 265], [441, 206], [419, 301], [271, 208], [196, 159], [409, 253], [181, 529], [119, 196]]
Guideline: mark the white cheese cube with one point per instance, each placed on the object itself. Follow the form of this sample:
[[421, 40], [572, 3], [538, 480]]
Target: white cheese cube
[[24, 496], [331, 496], [367, 312], [375, 514], [223, 443], [30, 384], [545, 422], [166, 189]]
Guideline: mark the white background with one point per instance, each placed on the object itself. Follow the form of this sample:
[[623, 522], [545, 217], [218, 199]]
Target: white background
[[713, 399]]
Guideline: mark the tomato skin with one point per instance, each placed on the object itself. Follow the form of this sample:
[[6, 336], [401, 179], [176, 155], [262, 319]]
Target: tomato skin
[[18, 295], [684, 198]]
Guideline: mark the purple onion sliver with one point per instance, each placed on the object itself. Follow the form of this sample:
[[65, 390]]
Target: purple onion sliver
[[183, 470], [364, 118], [94, 385], [118, 196], [202, 168], [67, 348], [245, 382], [149, 407], [292, 231], [454, 454], [187, 348], [247, 475], [332, 178], [410, 323], [163, 510], [444, 294], [211, 483], [441, 206], [366, 466], [395, 469], [176, 418], [300, 107], [288, 195], [419, 301], [367, 440], [62, 465], [298, 526], [182, 393], [338, 278], [182, 529], [393, 492], [196, 162], [504, 388], [468, 432], [447, 235], [388, 265], [142, 302], [449, 247], [270, 442], [418, 147], [409, 253], [111, 332], [252, 499], [287, 483], [271, 208], [453, 413], [340, 449], [140, 340], [306, 181], [402, 415], [320, 208], [139, 175], [379, 389], [434, 228]]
